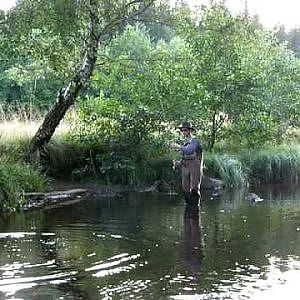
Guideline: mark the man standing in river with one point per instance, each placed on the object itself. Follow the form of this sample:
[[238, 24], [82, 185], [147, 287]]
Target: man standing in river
[[191, 164]]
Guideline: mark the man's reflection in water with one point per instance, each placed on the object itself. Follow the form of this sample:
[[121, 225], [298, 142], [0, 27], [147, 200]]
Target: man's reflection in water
[[193, 242]]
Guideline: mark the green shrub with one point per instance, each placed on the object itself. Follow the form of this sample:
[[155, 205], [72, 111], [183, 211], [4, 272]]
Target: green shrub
[[61, 157], [122, 141], [16, 178]]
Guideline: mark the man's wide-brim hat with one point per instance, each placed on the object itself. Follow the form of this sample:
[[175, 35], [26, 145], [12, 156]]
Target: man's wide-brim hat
[[186, 125]]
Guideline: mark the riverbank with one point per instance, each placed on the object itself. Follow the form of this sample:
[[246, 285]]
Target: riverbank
[[67, 192], [64, 165]]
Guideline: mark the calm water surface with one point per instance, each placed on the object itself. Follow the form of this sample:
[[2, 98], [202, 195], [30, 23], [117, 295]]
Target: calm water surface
[[147, 246]]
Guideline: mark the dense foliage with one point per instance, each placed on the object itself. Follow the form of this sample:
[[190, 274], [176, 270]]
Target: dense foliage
[[231, 78], [16, 178]]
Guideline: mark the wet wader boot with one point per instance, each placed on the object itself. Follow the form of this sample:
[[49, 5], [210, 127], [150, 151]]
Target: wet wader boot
[[195, 197], [187, 197]]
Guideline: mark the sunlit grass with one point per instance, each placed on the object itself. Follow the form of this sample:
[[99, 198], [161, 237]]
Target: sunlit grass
[[16, 175], [15, 137], [24, 130]]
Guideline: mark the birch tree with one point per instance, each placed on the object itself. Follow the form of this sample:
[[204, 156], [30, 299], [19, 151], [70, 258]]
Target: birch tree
[[105, 17]]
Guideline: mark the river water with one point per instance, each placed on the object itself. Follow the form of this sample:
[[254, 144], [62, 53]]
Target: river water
[[149, 246]]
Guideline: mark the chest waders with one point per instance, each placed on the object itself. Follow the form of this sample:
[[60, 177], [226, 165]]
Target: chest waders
[[191, 176]]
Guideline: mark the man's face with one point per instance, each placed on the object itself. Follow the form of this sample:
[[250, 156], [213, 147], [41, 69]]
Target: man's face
[[186, 132]]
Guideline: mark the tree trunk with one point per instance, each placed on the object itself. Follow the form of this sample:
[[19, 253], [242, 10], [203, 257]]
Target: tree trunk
[[64, 100], [66, 97], [213, 132]]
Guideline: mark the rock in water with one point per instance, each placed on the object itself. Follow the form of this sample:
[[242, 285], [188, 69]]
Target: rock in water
[[252, 197], [211, 184], [161, 186]]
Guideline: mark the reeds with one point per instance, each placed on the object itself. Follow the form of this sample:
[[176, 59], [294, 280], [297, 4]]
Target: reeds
[[228, 168], [273, 164], [269, 165]]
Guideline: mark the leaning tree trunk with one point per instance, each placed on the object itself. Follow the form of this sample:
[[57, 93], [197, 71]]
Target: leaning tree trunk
[[67, 96], [65, 99]]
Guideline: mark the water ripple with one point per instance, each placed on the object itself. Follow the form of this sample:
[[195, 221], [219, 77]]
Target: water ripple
[[12, 285], [131, 287], [112, 265], [15, 235], [269, 283]]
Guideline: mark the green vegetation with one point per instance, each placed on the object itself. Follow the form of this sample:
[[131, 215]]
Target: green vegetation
[[233, 79], [267, 165], [228, 168], [274, 164], [16, 176]]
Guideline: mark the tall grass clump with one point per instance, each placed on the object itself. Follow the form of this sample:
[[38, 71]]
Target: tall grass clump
[[227, 168], [16, 178], [273, 164]]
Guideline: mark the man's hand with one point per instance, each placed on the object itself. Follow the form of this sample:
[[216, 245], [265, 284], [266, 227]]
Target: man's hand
[[176, 164]]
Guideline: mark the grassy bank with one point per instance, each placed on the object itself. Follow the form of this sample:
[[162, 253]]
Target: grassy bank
[[268, 165], [17, 176], [273, 164], [64, 158]]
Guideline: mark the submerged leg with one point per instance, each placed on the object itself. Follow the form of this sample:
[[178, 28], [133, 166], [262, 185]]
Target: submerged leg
[[195, 197], [187, 197], [196, 178]]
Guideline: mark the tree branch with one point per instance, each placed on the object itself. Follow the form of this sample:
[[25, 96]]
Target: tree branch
[[116, 21]]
